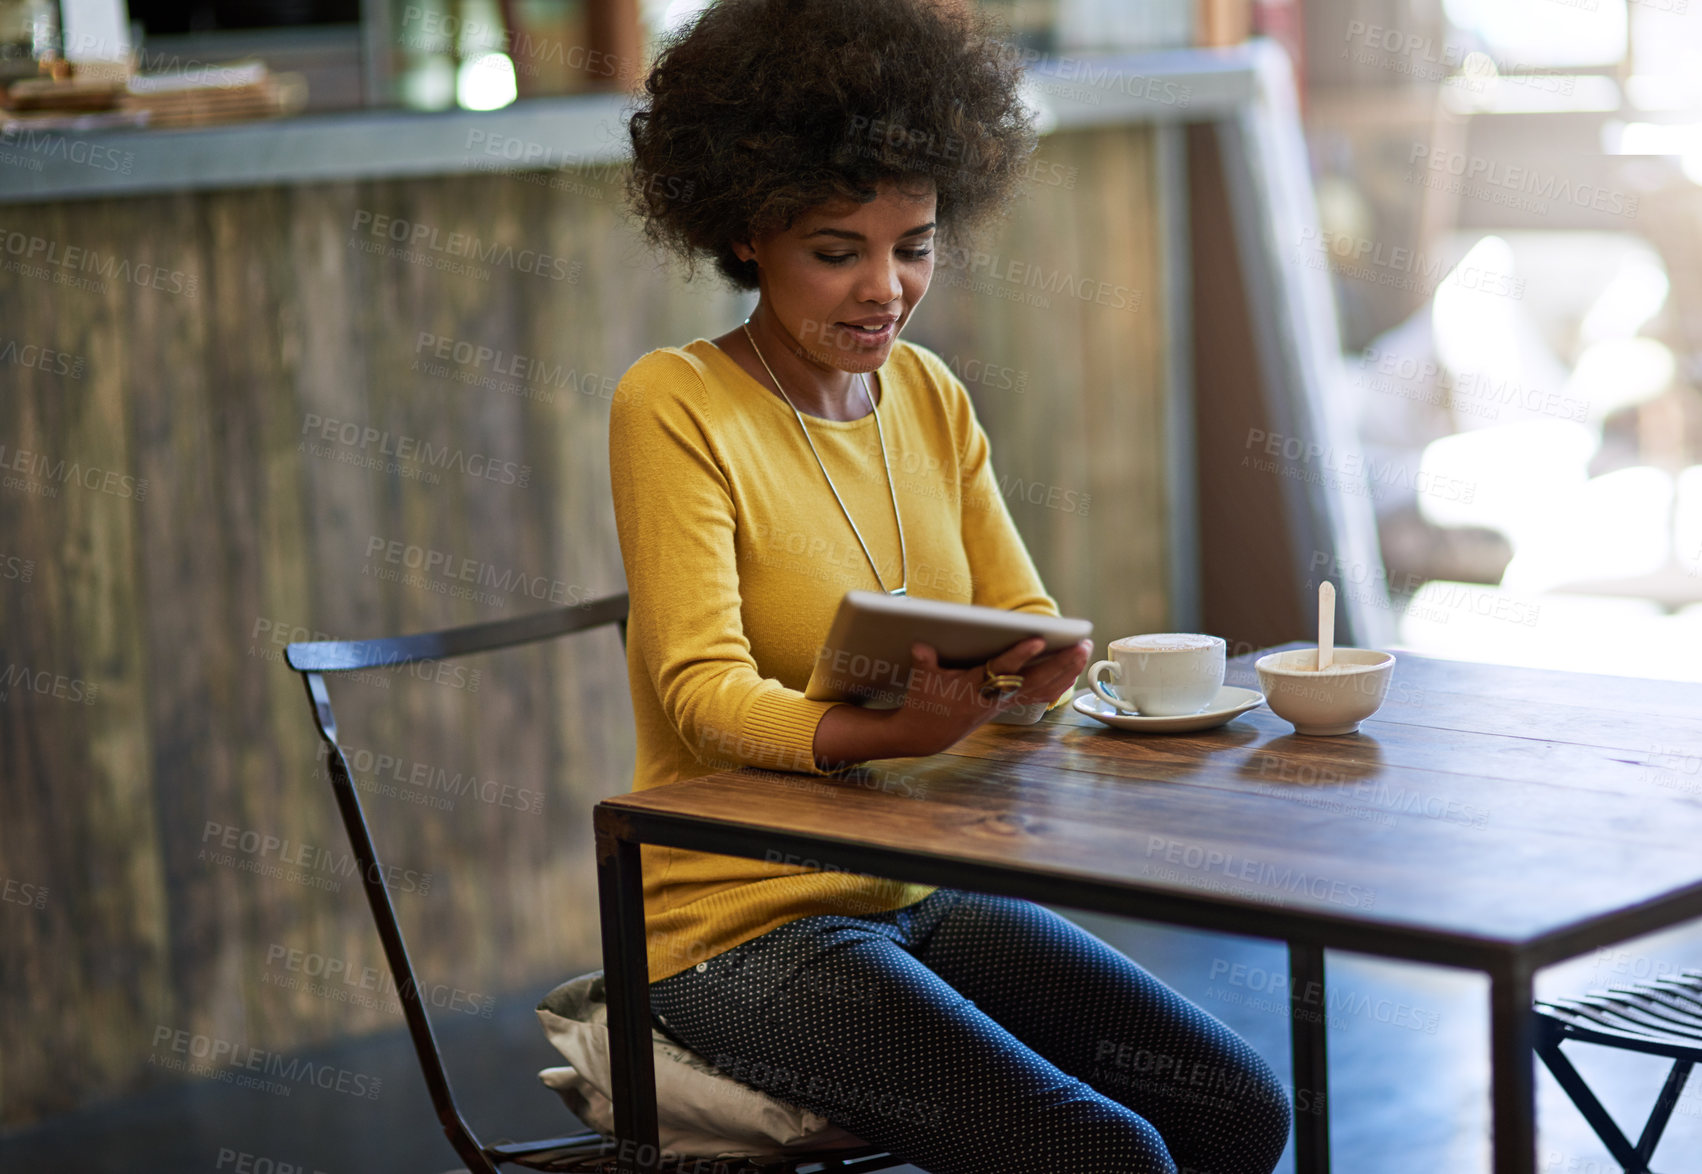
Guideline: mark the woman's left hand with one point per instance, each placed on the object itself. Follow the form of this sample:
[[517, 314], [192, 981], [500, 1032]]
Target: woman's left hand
[[942, 705], [1045, 679]]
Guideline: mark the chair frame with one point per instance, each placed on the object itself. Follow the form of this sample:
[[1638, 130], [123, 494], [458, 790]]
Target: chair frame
[[1659, 1018], [582, 1152]]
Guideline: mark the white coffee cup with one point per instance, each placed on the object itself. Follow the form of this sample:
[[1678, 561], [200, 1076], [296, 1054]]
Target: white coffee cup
[[1161, 674]]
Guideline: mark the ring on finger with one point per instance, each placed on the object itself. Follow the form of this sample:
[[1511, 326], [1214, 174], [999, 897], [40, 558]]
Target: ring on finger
[[1000, 685]]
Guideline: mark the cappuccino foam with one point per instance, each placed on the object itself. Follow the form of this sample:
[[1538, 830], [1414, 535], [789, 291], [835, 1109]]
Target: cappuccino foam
[[1167, 642]]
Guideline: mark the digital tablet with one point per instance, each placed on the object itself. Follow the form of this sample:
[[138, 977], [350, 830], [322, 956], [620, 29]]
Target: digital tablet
[[866, 656]]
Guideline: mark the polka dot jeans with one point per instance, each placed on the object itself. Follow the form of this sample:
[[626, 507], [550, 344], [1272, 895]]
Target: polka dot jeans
[[974, 1034]]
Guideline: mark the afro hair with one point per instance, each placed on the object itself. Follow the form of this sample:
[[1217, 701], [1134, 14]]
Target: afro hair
[[763, 109]]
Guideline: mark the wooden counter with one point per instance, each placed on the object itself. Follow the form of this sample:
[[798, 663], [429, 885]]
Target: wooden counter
[[291, 396]]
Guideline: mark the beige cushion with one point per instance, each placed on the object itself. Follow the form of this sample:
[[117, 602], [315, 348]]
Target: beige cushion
[[701, 1112]]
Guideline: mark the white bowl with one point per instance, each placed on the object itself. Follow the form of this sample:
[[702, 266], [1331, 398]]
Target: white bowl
[[1334, 701]]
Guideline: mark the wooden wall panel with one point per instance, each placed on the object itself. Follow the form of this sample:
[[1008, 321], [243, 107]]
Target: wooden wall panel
[[1243, 525], [159, 613], [1056, 327]]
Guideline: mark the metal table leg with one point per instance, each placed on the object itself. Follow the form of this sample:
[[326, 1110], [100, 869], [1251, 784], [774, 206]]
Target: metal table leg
[[1309, 1039], [626, 978], [1512, 1065]]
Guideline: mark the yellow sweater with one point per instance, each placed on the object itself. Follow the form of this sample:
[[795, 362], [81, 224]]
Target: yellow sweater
[[736, 558]]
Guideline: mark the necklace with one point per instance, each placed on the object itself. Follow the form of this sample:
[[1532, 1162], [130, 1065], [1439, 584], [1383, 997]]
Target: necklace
[[903, 558]]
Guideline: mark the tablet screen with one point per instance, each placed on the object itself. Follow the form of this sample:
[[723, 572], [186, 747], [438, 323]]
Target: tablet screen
[[866, 656]]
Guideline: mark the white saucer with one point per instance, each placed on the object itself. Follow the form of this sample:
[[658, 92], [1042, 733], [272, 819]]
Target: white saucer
[[1230, 703]]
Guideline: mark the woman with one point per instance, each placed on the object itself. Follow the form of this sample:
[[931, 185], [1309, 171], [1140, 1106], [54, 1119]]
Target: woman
[[818, 151]]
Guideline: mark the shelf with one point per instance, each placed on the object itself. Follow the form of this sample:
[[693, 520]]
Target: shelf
[[1175, 86]]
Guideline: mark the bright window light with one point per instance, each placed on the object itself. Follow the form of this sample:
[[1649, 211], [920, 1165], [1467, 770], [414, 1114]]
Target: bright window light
[[486, 82], [1570, 633], [1611, 527], [1634, 296], [1546, 34], [666, 16], [1038, 105], [1473, 317], [1658, 138], [429, 84], [1666, 49], [1661, 91], [1537, 93], [1687, 521], [1507, 477], [1618, 373], [1681, 139], [480, 29]]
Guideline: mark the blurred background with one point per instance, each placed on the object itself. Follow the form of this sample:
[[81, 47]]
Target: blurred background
[[311, 312]]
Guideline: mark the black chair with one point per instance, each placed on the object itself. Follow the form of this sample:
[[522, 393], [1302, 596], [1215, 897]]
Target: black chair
[[1659, 1018], [582, 1153]]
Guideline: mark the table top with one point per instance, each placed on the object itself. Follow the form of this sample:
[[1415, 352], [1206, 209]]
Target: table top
[[1484, 811]]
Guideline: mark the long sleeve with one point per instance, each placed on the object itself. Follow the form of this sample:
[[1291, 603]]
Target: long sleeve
[[676, 520]]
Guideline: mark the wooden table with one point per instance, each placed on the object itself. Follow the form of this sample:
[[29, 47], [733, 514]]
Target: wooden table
[[1499, 819]]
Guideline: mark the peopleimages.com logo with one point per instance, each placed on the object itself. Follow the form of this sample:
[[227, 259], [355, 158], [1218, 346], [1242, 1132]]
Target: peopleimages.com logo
[[1504, 183], [247, 850], [51, 260], [181, 1050], [365, 446], [53, 472], [408, 238]]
